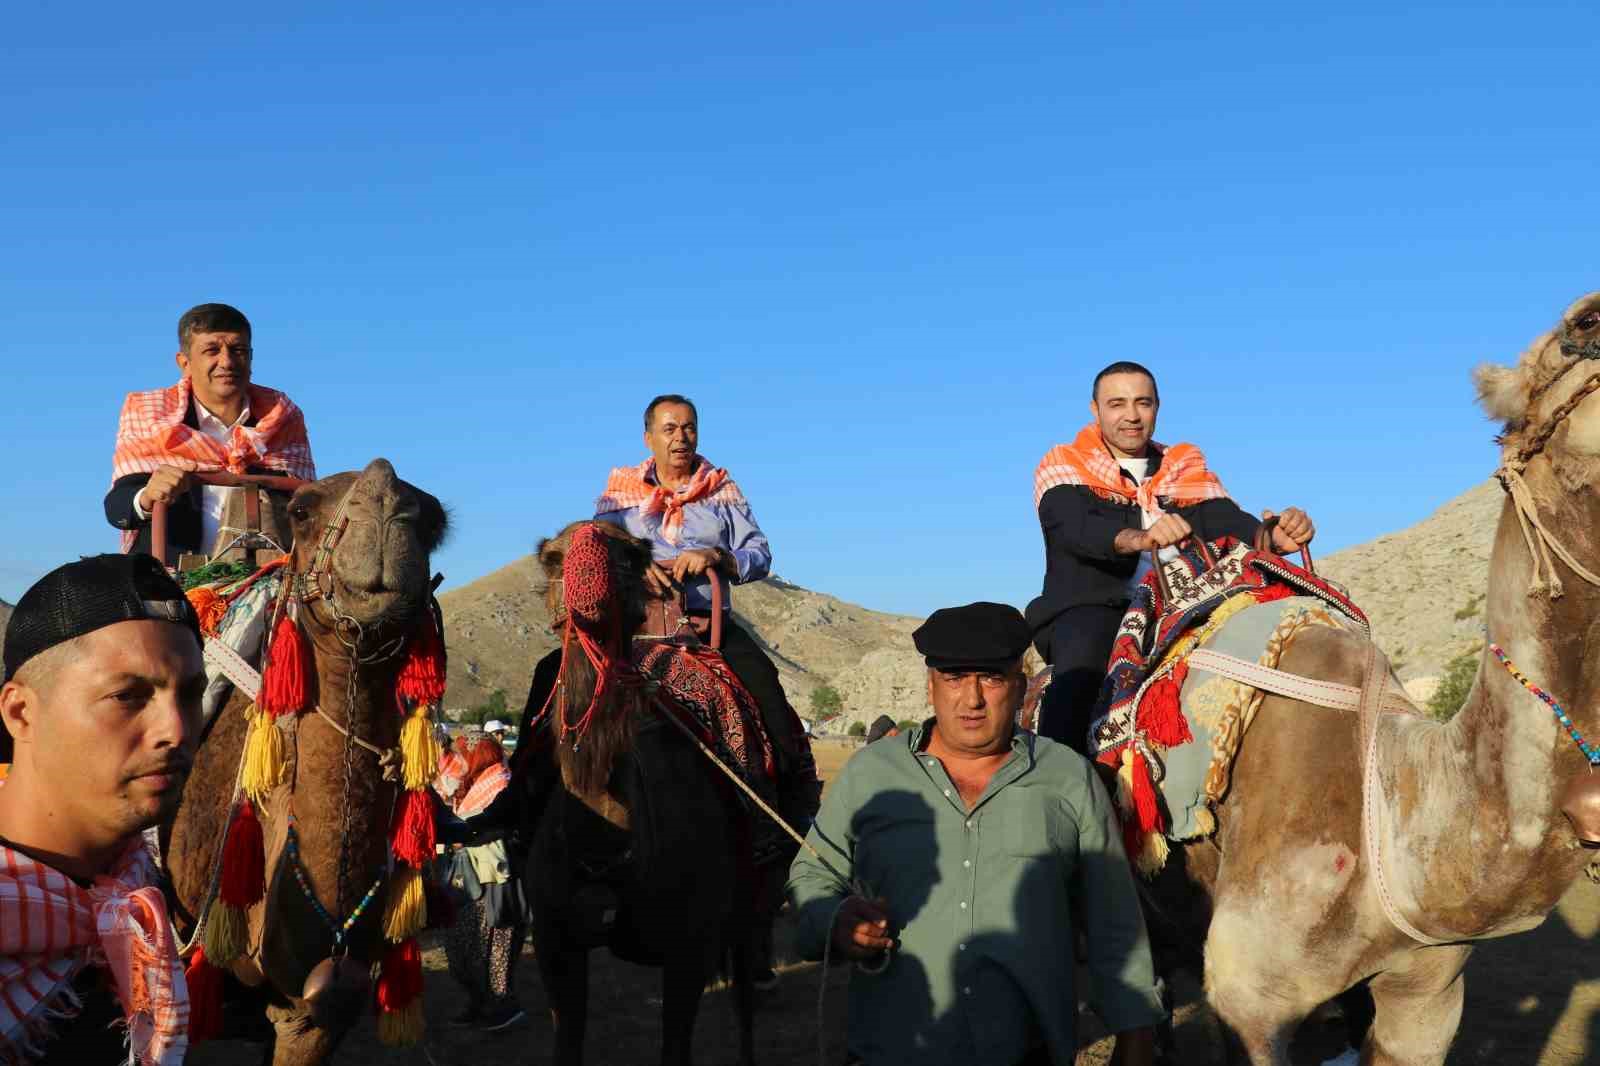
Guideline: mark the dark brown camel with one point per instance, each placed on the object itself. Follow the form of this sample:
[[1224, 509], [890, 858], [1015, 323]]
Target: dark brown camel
[[633, 819], [1477, 826], [380, 581]]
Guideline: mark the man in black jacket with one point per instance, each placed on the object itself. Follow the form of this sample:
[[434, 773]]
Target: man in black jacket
[[213, 419], [1105, 502]]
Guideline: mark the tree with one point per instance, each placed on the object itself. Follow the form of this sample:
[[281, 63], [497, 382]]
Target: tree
[[826, 703], [493, 707], [1453, 686], [857, 729]]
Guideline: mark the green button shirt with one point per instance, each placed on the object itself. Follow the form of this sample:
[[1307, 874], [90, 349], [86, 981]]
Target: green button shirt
[[982, 902]]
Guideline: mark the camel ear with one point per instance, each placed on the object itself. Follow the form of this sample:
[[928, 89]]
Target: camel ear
[[550, 557], [1501, 393]]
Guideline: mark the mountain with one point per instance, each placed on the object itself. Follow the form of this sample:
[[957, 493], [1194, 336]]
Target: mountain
[[1422, 588], [5, 615]]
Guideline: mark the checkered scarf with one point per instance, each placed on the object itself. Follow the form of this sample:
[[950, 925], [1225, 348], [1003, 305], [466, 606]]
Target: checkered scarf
[[50, 929], [151, 434], [489, 784], [1182, 476], [632, 486]]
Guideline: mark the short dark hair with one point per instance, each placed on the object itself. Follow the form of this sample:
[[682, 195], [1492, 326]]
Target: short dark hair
[[210, 318], [1124, 366], [670, 397]]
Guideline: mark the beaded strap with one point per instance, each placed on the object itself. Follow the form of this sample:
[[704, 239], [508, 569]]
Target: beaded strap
[[340, 930], [1589, 752]]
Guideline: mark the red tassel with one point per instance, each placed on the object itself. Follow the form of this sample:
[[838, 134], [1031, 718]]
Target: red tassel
[[412, 833], [1161, 710], [401, 980], [243, 861], [422, 676], [205, 998], [1144, 796], [283, 682], [1132, 840]]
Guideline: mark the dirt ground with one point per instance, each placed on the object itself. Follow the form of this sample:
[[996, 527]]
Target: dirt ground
[[1533, 999]]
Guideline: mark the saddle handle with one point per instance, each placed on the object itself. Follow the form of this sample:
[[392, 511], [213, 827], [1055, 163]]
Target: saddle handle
[[717, 598], [1264, 543], [1161, 574], [226, 478]]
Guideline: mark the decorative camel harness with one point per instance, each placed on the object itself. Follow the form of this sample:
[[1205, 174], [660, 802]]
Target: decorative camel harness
[[278, 694], [1375, 697]]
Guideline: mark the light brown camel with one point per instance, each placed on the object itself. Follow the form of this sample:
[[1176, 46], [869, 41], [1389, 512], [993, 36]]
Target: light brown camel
[[1483, 818], [379, 571]]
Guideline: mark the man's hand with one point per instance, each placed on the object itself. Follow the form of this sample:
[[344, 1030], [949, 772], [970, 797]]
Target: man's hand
[[696, 561], [1169, 529], [164, 486], [659, 580], [861, 928], [1293, 531], [1134, 1047]]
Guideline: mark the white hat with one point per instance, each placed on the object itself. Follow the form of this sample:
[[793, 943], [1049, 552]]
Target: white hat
[[494, 725]]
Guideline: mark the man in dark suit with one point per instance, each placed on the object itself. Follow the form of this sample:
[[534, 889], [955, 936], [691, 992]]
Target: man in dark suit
[[1105, 502], [213, 419]]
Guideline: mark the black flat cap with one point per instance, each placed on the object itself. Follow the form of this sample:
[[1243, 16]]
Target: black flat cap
[[90, 594], [880, 728], [980, 636]]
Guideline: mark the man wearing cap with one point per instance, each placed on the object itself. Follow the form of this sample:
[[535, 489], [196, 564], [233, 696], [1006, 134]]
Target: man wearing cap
[[956, 856], [213, 419], [1105, 502], [101, 704]]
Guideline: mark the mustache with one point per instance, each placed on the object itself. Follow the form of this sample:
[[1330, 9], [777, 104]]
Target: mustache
[[174, 767]]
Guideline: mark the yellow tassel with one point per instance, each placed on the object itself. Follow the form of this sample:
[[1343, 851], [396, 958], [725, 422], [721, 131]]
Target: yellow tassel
[[1205, 821], [227, 935], [419, 751], [1153, 854], [1125, 783], [405, 912], [265, 763], [399, 1028]]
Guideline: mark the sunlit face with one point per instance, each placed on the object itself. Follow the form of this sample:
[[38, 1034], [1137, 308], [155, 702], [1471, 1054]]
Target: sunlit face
[[1125, 407], [218, 365], [673, 437], [974, 713], [110, 733]]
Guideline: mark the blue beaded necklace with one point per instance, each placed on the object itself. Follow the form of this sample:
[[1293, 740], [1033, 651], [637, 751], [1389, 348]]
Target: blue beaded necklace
[[1589, 751], [340, 929]]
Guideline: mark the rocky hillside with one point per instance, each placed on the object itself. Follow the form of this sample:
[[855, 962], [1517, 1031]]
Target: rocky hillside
[[498, 628], [5, 615], [1422, 587]]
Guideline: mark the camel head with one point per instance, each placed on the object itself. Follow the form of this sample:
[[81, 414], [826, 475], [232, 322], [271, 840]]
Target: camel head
[[378, 569], [1525, 397], [626, 557]]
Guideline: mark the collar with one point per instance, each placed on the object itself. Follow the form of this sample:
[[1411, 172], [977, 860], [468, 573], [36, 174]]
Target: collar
[[650, 471], [209, 421]]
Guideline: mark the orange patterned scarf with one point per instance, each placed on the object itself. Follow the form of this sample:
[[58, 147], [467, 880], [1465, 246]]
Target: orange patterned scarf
[[1182, 477], [51, 928], [151, 434], [635, 486]]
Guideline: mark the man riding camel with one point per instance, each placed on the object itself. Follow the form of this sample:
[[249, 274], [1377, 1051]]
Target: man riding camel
[[213, 419], [1105, 501], [697, 520]]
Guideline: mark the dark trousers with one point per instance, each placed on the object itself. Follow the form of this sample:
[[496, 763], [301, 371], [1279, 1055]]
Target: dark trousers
[[791, 748], [1080, 645]]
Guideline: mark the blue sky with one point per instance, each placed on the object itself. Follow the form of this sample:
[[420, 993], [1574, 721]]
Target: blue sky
[[883, 246]]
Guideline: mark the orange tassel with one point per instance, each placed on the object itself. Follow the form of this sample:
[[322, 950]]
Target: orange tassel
[[283, 682], [1145, 805], [421, 678], [205, 998], [208, 607], [412, 834], [1161, 711], [243, 861]]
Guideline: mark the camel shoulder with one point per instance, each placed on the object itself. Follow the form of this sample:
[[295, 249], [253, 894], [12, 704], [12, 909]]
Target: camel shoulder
[[1327, 653]]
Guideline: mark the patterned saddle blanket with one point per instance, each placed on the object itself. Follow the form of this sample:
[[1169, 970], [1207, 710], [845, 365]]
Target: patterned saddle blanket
[[1171, 732]]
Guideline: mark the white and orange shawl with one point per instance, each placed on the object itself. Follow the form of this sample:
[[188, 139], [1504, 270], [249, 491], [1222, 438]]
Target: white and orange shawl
[[635, 486], [51, 929], [1183, 476], [490, 783], [151, 434]]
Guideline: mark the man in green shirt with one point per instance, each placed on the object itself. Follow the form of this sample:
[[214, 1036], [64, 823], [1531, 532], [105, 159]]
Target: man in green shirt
[[968, 846]]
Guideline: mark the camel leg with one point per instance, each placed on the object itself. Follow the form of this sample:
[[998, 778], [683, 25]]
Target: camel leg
[[683, 983], [1418, 1008], [566, 986], [297, 1041], [1259, 997]]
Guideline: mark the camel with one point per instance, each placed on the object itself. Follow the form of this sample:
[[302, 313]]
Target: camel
[[638, 810], [378, 573], [1480, 824]]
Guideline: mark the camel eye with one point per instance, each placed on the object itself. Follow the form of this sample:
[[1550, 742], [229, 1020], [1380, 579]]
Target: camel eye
[[299, 512], [1588, 321]]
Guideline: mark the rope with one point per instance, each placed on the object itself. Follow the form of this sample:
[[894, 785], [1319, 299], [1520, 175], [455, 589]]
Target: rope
[[1540, 541]]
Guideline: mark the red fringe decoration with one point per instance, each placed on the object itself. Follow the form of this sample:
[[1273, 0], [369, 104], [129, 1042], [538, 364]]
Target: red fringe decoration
[[283, 682], [401, 980], [205, 998], [243, 861], [1144, 796], [1132, 841], [422, 676], [412, 833], [1161, 711]]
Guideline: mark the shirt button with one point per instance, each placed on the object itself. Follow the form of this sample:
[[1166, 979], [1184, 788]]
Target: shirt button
[[961, 947], [969, 824], [947, 793], [967, 991], [966, 862], [963, 904]]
